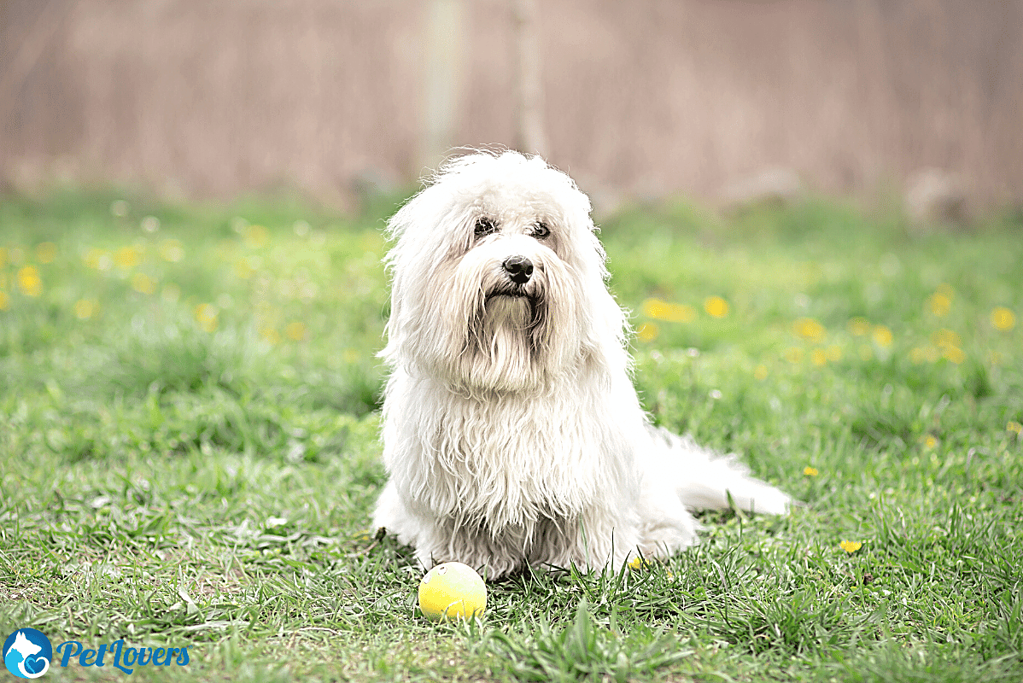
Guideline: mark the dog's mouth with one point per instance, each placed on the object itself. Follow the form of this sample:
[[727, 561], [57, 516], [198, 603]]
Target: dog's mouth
[[514, 292]]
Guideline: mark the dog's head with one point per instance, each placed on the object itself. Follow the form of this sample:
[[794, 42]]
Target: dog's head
[[498, 278]]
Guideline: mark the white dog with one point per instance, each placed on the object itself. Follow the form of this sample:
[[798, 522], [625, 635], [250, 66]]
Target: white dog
[[512, 432]]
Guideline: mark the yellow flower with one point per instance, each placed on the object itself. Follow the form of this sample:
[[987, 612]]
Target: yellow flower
[[256, 236], [172, 251], [295, 331], [637, 563], [819, 358], [859, 327], [5, 301], [143, 284], [939, 304], [648, 332], [834, 352], [716, 306], [1014, 427], [127, 258], [243, 268], [882, 336], [270, 334], [86, 308], [850, 546], [662, 310], [206, 316], [29, 281], [98, 259], [953, 354], [945, 337], [810, 329], [760, 372], [1003, 319], [928, 441], [46, 252], [810, 471]]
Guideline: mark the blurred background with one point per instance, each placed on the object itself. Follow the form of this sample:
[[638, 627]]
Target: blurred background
[[716, 99]]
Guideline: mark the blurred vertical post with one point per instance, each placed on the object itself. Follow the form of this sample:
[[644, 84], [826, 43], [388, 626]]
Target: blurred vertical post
[[442, 78], [529, 129]]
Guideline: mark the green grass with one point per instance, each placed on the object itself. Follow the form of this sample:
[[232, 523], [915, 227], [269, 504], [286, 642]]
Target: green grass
[[188, 450]]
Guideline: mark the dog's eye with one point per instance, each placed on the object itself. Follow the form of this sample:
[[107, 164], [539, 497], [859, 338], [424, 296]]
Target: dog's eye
[[541, 230], [484, 227]]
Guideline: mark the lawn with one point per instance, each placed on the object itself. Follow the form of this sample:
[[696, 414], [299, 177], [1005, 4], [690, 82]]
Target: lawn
[[189, 402]]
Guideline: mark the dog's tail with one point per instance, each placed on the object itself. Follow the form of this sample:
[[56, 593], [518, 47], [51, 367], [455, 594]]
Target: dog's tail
[[706, 479]]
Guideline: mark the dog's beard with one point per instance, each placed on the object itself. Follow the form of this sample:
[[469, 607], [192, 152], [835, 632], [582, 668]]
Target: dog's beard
[[506, 339]]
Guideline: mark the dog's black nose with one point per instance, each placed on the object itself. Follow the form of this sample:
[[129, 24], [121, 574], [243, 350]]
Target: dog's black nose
[[519, 268]]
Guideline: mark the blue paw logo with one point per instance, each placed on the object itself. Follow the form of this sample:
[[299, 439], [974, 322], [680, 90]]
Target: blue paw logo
[[27, 653]]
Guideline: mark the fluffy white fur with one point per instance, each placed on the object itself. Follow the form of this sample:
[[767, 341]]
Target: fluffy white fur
[[512, 432]]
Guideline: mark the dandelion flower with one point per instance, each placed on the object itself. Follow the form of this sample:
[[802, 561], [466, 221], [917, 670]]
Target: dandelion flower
[[206, 316], [86, 308], [637, 564], [850, 546], [945, 337], [810, 471], [939, 304], [663, 310], [143, 284], [760, 372], [98, 259], [127, 258], [256, 236], [295, 331], [29, 281], [819, 358], [1003, 319], [243, 269], [716, 306], [1015, 427], [923, 354], [270, 334], [882, 336], [648, 332], [928, 441], [859, 327], [953, 354], [172, 251], [809, 329]]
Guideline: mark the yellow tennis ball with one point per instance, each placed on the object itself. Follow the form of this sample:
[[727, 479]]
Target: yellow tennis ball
[[452, 591]]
